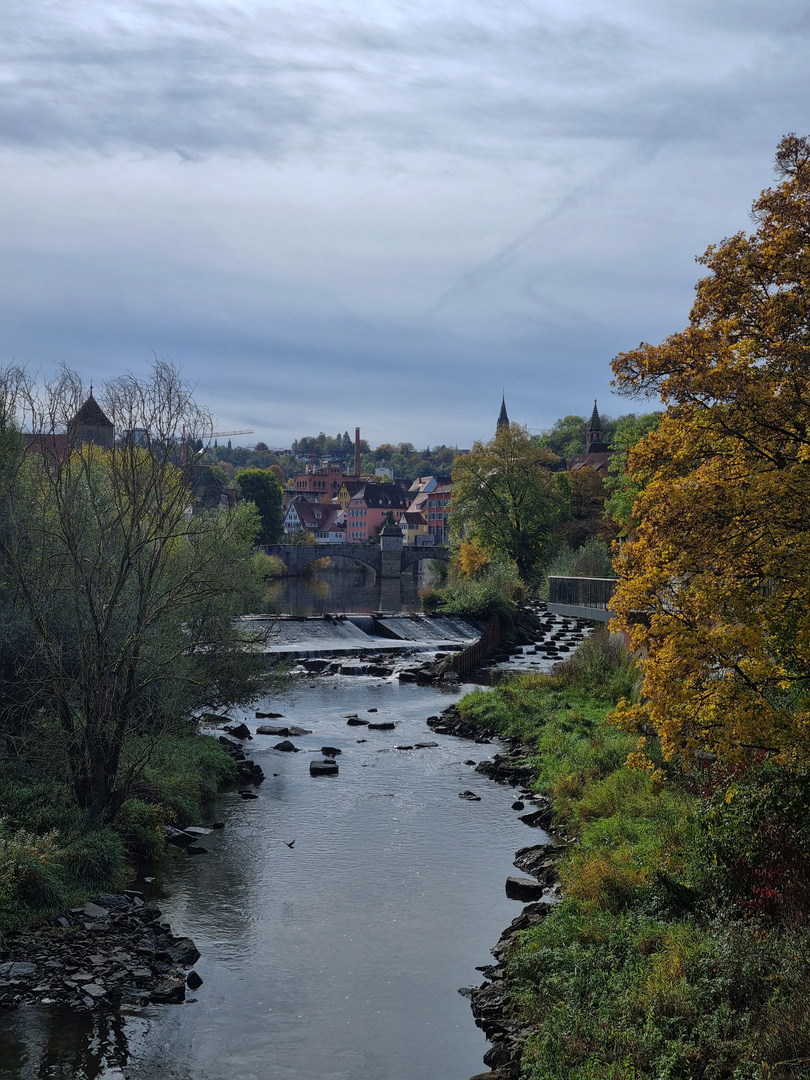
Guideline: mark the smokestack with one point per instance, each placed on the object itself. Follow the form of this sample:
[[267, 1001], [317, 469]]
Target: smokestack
[[357, 451]]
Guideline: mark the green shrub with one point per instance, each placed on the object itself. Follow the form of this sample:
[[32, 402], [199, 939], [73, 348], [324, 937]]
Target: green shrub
[[593, 559]]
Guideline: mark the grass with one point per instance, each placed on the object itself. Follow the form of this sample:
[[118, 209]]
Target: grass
[[668, 956], [52, 856]]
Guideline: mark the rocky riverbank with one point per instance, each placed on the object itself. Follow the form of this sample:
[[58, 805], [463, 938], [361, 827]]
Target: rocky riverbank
[[491, 1002], [112, 949]]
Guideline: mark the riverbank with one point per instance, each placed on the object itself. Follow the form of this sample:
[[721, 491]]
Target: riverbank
[[53, 858], [680, 947]]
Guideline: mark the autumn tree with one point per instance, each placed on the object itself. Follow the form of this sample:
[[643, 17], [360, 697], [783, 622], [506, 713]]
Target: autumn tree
[[715, 581], [126, 598], [504, 498]]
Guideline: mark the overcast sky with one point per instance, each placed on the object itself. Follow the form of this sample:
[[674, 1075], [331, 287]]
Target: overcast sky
[[378, 214]]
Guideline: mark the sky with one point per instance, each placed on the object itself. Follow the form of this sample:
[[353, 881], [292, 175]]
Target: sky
[[378, 214]]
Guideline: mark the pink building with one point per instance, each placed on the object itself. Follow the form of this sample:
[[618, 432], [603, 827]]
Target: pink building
[[367, 508]]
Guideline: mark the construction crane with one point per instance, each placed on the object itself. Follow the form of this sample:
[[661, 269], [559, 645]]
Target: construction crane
[[213, 435], [227, 434]]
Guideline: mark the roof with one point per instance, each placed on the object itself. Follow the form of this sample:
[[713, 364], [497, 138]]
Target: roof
[[596, 423], [382, 496], [503, 419], [596, 459], [317, 517], [411, 517], [91, 414]]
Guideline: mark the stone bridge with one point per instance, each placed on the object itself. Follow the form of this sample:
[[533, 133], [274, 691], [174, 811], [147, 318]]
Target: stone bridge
[[387, 562]]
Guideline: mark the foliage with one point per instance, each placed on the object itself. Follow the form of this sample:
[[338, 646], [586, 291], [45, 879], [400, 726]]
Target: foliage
[[504, 498], [261, 487], [471, 560], [301, 536], [582, 494], [601, 666], [593, 559], [621, 485], [718, 567], [497, 590], [266, 567], [569, 435], [127, 598], [667, 956]]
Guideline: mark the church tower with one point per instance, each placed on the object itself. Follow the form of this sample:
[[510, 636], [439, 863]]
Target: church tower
[[503, 419], [90, 425], [595, 441]]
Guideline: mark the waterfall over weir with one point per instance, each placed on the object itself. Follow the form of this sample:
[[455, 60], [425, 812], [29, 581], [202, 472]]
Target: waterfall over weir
[[314, 636]]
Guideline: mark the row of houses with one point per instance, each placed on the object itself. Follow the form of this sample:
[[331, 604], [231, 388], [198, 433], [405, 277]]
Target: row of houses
[[338, 508]]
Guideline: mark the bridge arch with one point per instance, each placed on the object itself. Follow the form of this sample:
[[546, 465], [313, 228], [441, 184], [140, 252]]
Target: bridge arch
[[297, 557]]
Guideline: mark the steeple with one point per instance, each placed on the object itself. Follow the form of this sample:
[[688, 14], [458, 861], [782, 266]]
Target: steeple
[[596, 433], [503, 419]]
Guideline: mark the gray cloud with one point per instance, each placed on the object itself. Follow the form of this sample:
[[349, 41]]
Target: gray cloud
[[378, 213], [202, 79]]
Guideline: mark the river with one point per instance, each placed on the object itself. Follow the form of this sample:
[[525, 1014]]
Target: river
[[336, 958]]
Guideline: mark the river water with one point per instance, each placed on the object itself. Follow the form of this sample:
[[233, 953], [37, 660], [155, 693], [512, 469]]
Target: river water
[[342, 956]]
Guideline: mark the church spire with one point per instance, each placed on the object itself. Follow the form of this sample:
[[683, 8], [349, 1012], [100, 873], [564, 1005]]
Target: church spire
[[503, 419], [596, 433]]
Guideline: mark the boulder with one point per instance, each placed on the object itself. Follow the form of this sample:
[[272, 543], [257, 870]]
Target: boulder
[[538, 819], [183, 951], [239, 731], [323, 768], [519, 888], [330, 751], [273, 729], [470, 796], [384, 725], [355, 721], [286, 746], [269, 715]]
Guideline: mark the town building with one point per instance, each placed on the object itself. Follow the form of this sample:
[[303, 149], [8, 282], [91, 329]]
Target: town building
[[367, 509], [326, 522], [431, 497], [414, 529], [597, 452]]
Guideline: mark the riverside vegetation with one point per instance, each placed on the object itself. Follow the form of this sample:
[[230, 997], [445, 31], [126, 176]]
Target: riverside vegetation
[[680, 947], [119, 624]]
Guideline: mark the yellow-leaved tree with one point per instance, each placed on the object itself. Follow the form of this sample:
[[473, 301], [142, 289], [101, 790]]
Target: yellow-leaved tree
[[715, 579]]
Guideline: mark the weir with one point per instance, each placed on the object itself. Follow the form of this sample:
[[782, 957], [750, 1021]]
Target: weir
[[349, 633]]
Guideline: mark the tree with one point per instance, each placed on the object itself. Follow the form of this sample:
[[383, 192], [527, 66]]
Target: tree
[[566, 438], [262, 488], [504, 498], [621, 486], [128, 599], [715, 583], [583, 497]]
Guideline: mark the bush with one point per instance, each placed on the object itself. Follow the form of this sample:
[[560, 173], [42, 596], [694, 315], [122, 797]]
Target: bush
[[498, 590], [602, 666], [593, 559], [268, 567]]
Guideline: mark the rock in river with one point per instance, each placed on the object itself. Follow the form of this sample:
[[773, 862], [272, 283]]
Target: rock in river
[[323, 768], [521, 888]]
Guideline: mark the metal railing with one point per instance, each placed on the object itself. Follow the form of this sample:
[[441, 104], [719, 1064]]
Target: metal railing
[[581, 591]]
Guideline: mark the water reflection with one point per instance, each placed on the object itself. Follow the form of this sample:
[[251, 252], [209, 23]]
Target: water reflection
[[50, 1045], [347, 588]]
